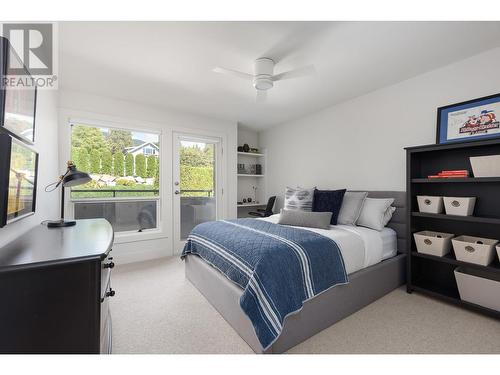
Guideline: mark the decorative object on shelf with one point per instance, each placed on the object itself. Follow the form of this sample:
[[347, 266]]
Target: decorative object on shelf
[[246, 148], [250, 169], [241, 169], [460, 206], [254, 150], [17, 103], [239, 202], [485, 166], [430, 204], [459, 173], [467, 121], [18, 179], [258, 169], [433, 243], [72, 177], [254, 188], [249, 200], [478, 287], [244, 200], [240, 149], [475, 250]]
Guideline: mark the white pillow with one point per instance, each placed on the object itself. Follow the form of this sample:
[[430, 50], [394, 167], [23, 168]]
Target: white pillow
[[376, 213], [351, 207], [388, 215]]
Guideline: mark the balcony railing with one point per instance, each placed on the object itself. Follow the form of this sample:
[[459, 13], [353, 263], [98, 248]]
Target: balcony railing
[[113, 191], [208, 192]]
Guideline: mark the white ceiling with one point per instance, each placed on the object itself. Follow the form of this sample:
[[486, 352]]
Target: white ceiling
[[169, 64]]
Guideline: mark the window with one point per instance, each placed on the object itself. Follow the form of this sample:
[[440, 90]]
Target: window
[[125, 181], [149, 151]]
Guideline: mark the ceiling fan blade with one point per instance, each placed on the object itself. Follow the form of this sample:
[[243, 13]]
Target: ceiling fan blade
[[301, 37], [296, 73], [261, 96], [233, 73]]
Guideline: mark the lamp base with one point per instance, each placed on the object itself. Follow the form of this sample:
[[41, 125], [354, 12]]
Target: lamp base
[[60, 223]]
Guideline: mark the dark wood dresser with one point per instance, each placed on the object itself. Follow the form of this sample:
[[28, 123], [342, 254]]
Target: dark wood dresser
[[55, 285]]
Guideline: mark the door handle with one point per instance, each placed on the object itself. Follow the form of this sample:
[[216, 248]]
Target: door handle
[[177, 192]]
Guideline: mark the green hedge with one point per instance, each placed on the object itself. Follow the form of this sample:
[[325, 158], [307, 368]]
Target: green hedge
[[118, 164], [197, 178], [106, 162], [129, 165], [151, 165], [140, 165]]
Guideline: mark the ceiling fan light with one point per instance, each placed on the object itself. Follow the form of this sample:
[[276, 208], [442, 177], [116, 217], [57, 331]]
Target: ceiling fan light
[[263, 83]]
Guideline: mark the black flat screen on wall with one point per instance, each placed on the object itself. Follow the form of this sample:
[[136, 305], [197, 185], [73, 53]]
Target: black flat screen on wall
[[18, 175]]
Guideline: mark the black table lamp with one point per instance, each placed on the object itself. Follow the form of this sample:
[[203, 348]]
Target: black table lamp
[[72, 177]]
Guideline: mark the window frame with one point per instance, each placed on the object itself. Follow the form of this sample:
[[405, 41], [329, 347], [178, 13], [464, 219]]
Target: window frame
[[126, 236]]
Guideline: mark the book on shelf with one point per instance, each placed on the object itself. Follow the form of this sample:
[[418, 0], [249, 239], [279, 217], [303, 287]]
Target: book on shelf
[[455, 171], [444, 177], [451, 174]]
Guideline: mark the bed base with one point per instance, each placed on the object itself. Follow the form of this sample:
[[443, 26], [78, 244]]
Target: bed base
[[365, 286]]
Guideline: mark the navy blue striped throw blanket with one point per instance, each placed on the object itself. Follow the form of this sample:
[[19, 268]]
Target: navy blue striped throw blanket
[[278, 267]]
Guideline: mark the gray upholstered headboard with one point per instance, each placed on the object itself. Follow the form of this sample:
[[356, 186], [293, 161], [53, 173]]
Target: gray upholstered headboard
[[398, 221]]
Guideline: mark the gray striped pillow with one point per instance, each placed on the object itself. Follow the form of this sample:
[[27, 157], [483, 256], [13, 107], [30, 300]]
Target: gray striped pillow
[[299, 199]]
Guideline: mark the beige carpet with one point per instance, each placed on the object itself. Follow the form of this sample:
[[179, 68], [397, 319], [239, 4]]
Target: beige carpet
[[156, 310]]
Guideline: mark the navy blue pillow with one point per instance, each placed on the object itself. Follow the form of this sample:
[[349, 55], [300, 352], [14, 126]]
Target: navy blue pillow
[[328, 201]]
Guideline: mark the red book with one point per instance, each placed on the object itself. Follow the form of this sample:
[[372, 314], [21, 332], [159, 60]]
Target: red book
[[457, 172], [451, 176]]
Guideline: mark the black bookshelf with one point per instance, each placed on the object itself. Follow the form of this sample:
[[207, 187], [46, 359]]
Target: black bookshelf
[[432, 275]]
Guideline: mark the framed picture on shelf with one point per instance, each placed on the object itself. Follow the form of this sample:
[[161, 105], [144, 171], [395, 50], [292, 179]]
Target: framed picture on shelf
[[17, 101], [469, 121], [18, 179]]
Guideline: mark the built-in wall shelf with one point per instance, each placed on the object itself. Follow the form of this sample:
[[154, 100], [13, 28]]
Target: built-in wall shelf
[[433, 275], [454, 180], [250, 184], [254, 154], [251, 205], [472, 219], [450, 259]]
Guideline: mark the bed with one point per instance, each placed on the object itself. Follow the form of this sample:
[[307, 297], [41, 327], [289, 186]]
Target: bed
[[369, 280]]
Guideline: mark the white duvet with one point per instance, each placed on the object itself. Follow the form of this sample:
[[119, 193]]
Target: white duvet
[[360, 247]]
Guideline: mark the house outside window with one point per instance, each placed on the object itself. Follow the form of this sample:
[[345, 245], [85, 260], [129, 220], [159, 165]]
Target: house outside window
[[125, 185]]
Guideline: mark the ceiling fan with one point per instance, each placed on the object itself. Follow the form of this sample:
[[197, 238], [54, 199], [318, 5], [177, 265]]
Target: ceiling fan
[[263, 78]]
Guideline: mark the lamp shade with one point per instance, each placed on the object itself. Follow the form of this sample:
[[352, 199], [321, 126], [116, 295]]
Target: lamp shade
[[74, 177]]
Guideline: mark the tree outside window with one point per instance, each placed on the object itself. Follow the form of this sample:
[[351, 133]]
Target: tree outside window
[[115, 160]]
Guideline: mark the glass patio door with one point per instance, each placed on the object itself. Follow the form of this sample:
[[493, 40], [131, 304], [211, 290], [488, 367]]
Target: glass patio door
[[196, 184]]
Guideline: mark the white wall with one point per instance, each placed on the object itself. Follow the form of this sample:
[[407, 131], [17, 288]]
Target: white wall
[[77, 105], [359, 144], [45, 141]]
